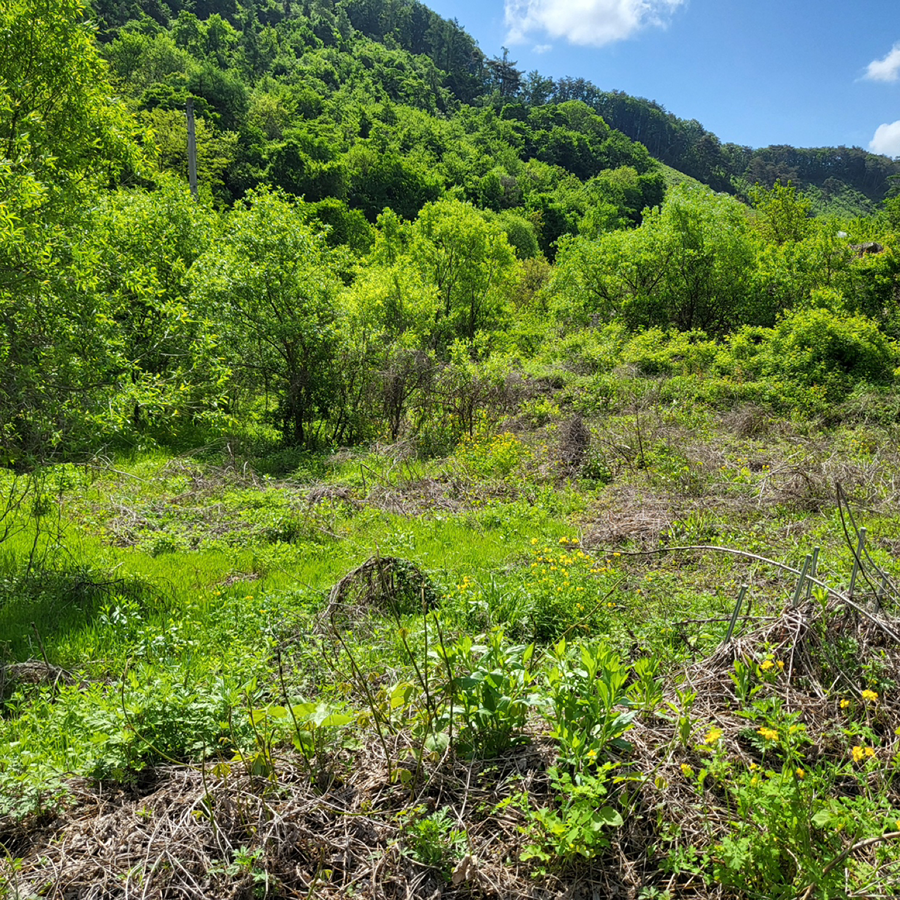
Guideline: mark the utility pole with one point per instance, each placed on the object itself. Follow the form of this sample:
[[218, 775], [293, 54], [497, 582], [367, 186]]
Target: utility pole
[[192, 148]]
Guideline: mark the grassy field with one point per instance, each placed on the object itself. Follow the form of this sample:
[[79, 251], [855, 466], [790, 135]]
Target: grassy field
[[575, 656]]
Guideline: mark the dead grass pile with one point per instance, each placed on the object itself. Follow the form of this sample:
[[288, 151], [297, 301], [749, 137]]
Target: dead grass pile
[[630, 514], [574, 443], [807, 484], [233, 836], [383, 583], [416, 497]]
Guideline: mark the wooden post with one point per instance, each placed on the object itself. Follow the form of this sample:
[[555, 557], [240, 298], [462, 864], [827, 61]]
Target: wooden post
[[192, 148]]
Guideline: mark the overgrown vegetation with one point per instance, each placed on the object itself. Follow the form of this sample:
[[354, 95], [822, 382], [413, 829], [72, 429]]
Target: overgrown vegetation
[[440, 504]]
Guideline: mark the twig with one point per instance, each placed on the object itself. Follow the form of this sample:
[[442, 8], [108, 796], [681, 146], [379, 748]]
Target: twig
[[860, 845], [712, 548]]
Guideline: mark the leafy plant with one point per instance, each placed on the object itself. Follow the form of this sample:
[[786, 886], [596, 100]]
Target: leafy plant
[[491, 694], [578, 827], [435, 841], [587, 703]]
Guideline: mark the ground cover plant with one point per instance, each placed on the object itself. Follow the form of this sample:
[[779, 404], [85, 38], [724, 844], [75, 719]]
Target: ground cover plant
[[517, 668]]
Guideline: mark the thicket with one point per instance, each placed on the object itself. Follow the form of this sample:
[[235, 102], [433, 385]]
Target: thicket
[[368, 256]]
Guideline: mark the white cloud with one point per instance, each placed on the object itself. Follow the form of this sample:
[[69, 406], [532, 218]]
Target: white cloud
[[887, 69], [586, 22], [542, 48], [887, 139]]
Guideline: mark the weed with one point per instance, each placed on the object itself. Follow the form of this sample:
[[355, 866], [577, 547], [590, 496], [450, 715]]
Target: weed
[[587, 704], [577, 827], [435, 840]]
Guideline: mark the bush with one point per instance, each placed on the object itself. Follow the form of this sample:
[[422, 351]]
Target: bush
[[816, 348]]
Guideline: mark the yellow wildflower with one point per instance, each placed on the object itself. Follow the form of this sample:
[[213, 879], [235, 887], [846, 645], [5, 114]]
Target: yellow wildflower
[[768, 664], [686, 770], [870, 696], [845, 704], [712, 736], [857, 753], [770, 734], [800, 773]]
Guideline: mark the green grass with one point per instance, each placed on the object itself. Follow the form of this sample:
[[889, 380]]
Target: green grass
[[181, 596]]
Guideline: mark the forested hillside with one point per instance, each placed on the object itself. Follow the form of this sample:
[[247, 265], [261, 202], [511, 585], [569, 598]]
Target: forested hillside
[[429, 193], [486, 486], [838, 179]]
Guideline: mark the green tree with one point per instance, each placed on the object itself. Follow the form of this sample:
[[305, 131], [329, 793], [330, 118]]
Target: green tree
[[59, 124], [688, 266], [61, 135], [271, 283], [162, 354], [466, 258], [783, 214]]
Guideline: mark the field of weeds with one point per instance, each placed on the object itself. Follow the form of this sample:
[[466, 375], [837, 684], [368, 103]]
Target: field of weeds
[[647, 652]]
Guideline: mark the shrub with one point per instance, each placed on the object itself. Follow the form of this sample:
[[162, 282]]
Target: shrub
[[816, 348]]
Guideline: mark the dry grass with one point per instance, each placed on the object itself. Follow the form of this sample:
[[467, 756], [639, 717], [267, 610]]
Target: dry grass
[[221, 832]]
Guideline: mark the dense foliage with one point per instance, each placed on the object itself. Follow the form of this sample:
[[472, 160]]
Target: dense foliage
[[380, 208]]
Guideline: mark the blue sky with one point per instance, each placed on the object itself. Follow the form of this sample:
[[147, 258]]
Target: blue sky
[[798, 72]]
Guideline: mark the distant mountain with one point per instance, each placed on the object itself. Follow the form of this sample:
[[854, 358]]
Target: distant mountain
[[402, 51], [839, 179]]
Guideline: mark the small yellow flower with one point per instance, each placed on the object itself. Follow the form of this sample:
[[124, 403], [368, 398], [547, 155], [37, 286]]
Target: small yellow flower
[[768, 664], [686, 770], [781, 664], [534, 540], [869, 751], [870, 696], [592, 755], [712, 736], [857, 753], [800, 773], [845, 704], [770, 734]]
